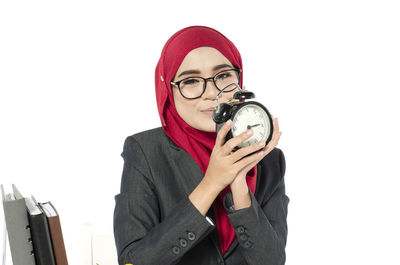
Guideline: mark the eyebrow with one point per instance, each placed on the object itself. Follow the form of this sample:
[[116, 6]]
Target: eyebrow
[[217, 67]]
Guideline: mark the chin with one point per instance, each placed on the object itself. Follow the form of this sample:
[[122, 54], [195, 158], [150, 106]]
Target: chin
[[203, 124], [210, 128], [207, 128]]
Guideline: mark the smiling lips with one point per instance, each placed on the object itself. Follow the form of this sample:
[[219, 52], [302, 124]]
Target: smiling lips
[[209, 109]]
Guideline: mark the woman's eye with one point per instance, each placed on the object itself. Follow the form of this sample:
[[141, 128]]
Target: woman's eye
[[224, 75], [192, 81]]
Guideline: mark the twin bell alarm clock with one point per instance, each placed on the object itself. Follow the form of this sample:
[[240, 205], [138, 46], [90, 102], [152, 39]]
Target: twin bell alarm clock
[[244, 115]]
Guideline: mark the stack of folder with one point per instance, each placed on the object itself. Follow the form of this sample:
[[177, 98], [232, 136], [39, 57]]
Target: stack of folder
[[34, 230]]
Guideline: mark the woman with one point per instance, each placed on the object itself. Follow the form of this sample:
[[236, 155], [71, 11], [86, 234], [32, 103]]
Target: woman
[[185, 197]]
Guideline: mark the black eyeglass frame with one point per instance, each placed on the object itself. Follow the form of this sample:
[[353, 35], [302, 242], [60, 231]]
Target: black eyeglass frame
[[177, 83]]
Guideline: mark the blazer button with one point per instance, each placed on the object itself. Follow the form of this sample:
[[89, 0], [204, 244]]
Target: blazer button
[[240, 229], [191, 236], [183, 242], [176, 250], [243, 237], [247, 244]]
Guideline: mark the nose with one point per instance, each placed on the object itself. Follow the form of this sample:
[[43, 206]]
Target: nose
[[212, 91]]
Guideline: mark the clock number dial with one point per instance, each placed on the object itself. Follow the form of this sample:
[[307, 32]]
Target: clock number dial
[[254, 117]]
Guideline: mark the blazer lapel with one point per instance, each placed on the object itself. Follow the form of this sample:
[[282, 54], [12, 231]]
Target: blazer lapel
[[189, 172], [191, 175]]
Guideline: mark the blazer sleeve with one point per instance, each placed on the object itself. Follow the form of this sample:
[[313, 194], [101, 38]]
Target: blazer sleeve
[[261, 229], [140, 236]]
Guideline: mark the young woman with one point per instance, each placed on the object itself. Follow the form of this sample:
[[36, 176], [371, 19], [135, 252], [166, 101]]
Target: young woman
[[186, 197]]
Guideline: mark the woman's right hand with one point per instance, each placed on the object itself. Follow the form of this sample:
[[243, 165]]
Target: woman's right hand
[[224, 164]]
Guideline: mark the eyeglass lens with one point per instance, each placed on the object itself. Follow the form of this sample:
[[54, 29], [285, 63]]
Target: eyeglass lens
[[193, 86]]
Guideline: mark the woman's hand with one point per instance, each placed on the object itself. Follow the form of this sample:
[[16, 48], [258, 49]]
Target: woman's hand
[[225, 165], [241, 176]]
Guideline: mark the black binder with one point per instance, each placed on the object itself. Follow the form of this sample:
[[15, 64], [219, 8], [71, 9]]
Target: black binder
[[40, 233]]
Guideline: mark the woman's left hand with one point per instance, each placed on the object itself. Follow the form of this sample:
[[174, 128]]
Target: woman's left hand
[[240, 178]]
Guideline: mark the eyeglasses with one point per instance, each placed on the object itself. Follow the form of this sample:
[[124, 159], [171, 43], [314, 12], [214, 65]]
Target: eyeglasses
[[194, 87]]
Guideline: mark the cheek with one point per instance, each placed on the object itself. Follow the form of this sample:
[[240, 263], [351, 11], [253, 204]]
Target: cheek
[[229, 94], [186, 108]]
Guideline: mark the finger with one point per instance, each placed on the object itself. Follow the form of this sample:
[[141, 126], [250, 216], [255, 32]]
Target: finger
[[246, 169], [276, 125], [251, 165], [250, 159], [277, 137], [271, 145], [247, 150], [275, 132], [222, 133], [235, 141], [274, 141]]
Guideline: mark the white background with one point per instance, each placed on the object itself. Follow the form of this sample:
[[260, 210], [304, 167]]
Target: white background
[[77, 77]]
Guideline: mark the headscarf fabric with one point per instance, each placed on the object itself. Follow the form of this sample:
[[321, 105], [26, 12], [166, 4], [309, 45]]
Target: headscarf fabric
[[199, 144]]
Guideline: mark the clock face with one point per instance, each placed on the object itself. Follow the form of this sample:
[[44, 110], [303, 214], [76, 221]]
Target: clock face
[[251, 116]]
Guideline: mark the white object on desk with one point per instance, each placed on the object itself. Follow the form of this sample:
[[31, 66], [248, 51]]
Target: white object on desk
[[98, 249]]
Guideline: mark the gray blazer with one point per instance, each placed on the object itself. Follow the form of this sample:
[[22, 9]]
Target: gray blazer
[[156, 223]]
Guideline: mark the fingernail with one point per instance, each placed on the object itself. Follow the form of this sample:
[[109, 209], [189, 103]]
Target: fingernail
[[261, 144], [249, 132], [229, 122]]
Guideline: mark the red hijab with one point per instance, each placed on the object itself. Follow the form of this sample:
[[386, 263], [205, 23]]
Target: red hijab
[[199, 144]]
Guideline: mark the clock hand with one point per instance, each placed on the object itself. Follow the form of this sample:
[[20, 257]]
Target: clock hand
[[249, 126]]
